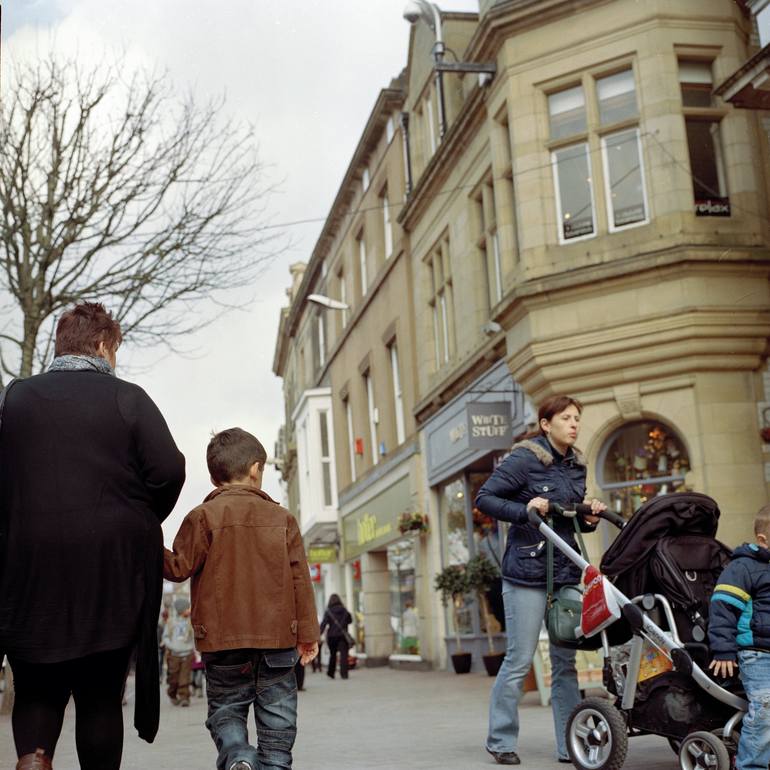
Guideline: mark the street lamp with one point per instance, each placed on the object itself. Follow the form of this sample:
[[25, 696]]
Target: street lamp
[[332, 304], [431, 15]]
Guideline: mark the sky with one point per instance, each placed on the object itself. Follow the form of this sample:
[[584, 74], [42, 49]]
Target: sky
[[306, 73]]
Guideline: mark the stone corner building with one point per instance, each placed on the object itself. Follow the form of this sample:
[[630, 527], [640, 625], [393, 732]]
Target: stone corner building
[[593, 219]]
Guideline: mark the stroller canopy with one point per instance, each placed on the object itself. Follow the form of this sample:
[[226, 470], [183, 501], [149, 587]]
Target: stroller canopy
[[680, 513]]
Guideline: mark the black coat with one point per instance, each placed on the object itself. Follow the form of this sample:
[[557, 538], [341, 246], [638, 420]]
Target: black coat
[[534, 469], [88, 471], [338, 613]]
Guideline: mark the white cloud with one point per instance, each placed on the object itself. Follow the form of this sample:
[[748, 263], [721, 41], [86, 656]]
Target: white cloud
[[306, 73]]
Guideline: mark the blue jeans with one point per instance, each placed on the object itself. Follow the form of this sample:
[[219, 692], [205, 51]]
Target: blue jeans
[[754, 745], [524, 613], [238, 679]]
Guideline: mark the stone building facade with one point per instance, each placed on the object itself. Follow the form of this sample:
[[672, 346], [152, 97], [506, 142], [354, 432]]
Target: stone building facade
[[592, 220]]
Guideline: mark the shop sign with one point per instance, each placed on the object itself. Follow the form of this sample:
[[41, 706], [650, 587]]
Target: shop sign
[[315, 572], [322, 554], [489, 425], [712, 207], [376, 522], [469, 427]]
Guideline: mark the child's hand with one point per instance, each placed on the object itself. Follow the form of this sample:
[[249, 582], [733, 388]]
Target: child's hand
[[307, 651], [723, 667]]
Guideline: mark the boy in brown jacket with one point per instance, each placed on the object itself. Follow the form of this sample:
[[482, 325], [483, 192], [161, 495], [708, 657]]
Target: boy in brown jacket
[[253, 610]]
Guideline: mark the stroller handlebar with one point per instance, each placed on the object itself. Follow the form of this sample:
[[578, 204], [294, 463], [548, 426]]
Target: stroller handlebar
[[554, 509]]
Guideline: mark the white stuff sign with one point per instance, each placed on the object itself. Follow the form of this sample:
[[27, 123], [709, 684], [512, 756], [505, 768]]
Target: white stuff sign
[[489, 425]]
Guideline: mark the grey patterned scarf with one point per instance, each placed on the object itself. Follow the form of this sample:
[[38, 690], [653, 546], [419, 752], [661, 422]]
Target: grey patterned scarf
[[72, 363]]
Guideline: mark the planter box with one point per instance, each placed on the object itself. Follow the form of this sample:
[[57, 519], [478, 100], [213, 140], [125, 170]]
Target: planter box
[[477, 645]]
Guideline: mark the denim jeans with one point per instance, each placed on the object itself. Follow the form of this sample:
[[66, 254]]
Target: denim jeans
[[524, 613], [754, 745], [238, 679]]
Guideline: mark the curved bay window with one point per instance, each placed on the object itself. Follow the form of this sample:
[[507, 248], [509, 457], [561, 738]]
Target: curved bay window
[[639, 461]]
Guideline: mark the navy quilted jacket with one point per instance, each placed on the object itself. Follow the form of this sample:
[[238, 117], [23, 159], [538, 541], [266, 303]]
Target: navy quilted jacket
[[535, 469]]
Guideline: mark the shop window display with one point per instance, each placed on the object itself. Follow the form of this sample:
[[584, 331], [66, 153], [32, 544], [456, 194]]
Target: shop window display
[[403, 614], [455, 537], [640, 461], [358, 606]]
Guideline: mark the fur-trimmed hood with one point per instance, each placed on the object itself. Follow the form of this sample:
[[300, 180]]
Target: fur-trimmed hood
[[542, 452]]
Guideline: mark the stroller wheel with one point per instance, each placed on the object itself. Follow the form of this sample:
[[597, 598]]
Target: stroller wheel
[[597, 737], [703, 751]]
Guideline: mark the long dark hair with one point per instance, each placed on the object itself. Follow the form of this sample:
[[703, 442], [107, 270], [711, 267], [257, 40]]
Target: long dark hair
[[335, 601]]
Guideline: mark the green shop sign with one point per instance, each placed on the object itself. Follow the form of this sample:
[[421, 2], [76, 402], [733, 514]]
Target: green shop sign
[[322, 554], [376, 522]]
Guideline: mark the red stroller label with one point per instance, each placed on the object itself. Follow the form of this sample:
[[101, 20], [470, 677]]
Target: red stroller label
[[600, 608]]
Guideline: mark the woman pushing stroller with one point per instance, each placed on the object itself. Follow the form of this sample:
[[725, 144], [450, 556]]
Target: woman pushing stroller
[[542, 470]]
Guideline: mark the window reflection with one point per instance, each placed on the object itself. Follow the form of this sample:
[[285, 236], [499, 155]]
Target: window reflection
[[642, 460]]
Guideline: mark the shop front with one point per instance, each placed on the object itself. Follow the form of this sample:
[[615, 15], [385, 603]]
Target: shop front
[[463, 443], [383, 541]]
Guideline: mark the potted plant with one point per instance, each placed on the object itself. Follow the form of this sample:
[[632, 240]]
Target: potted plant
[[412, 521], [482, 575], [452, 582]]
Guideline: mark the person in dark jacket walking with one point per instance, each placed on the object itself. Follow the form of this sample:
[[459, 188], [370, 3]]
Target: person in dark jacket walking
[[739, 631], [88, 471], [336, 620], [546, 469]]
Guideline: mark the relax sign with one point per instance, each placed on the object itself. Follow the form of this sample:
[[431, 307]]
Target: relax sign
[[489, 425]]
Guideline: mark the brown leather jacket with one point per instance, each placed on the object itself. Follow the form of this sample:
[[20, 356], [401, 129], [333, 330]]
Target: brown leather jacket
[[250, 579]]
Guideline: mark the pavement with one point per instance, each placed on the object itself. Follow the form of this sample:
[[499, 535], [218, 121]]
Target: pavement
[[378, 718]]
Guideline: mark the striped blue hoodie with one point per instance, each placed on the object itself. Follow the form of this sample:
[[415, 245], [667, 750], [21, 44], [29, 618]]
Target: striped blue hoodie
[[740, 605]]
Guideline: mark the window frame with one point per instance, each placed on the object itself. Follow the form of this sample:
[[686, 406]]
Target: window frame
[[607, 189], [593, 139], [326, 460], [387, 224], [713, 114], [557, 188], [351, 439], [372, 414], [363, 258], [398, 399]]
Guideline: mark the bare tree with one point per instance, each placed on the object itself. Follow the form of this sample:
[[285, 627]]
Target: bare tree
[[114, 189]]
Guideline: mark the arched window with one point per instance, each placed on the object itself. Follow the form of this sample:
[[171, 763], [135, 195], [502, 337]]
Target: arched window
[[639, 461]]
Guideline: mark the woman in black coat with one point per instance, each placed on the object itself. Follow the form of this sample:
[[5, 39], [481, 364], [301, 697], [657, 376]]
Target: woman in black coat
[[546, 469], [88, 471], [336, 620]]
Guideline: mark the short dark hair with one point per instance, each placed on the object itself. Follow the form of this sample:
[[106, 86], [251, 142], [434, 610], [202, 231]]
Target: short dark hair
[[762, 522], [80, 330], [556, 405], [231, 453]]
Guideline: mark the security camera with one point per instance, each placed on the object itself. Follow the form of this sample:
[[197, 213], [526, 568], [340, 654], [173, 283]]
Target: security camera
[[491, 328]]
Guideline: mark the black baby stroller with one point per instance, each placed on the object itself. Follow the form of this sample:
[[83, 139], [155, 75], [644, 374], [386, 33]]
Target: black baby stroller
[[663, 567]]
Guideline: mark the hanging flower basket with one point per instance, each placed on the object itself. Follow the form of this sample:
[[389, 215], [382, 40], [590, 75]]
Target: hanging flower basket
[[412, 522]]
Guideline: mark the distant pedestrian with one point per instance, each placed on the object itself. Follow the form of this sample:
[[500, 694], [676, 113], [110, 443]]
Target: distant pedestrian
[[88, 471], [253, 609], [197, 676], [180, 651], [336, 620]]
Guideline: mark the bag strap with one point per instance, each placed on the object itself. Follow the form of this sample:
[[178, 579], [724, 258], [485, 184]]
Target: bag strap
[[336, 622], [549, 559]]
